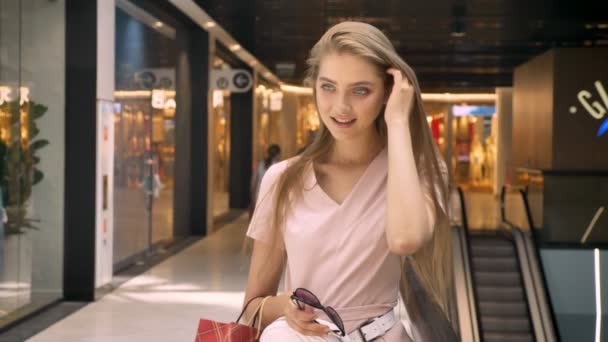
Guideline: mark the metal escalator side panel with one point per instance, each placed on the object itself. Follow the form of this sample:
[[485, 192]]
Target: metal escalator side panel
[[537, 299], [468, 327], [538, 281]]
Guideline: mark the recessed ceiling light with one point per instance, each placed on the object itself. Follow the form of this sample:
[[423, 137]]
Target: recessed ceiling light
[[158, 24], [235, 47], [210, 24]]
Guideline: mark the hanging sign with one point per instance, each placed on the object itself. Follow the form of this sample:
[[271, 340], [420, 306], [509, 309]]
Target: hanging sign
[[233, 80]]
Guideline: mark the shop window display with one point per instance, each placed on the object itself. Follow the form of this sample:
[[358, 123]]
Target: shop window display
[[32, 133], [474, 149], [221, 131], [308, 121], [144, 153]]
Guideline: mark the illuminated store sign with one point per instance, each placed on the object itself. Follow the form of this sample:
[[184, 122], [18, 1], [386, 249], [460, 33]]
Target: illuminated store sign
[[595, 108], [5, 95]]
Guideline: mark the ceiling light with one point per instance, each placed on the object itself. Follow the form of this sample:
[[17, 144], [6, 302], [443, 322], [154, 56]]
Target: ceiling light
[[158, 24], [210, 24], [602, 26], [457, 29], [235, 47]]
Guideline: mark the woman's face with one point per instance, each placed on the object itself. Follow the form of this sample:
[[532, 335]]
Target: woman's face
[[350, 94]]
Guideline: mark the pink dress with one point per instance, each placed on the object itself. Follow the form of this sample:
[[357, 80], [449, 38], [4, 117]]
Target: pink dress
[[338, 251]]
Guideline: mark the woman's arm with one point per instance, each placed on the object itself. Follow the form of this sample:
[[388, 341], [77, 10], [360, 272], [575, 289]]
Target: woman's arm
[[264, 276], [410, 214]]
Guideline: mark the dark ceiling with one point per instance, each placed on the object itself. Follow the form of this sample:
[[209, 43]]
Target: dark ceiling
[[457, 45]]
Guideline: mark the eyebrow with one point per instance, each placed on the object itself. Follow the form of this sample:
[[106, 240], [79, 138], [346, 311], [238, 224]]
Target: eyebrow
[[352, 84]]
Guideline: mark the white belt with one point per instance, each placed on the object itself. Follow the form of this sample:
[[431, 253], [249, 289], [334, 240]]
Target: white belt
[[372, 329]]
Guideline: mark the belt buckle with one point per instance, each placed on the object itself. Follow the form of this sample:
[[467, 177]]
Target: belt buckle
[[363, 326], [361, 334]]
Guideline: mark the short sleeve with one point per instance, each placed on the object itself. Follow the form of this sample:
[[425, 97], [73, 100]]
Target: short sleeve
[[261, 223]]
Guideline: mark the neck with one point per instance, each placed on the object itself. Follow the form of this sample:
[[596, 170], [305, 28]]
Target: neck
[[359, 150]]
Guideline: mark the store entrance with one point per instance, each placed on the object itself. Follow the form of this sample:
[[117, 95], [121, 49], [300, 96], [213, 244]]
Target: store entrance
[[144, 136]]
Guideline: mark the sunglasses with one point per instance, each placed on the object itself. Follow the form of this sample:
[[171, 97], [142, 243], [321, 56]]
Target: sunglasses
[[303, 296]]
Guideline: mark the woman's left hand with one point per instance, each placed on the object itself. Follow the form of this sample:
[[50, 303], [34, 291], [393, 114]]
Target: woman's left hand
[[400, 101]]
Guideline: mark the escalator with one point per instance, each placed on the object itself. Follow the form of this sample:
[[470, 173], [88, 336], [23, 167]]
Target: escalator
[[501, 297], [498, 287]]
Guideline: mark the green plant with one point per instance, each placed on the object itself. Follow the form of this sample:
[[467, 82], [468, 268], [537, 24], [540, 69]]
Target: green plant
[[19, 171]]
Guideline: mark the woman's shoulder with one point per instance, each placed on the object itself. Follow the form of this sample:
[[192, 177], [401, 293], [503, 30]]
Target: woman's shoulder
[[277, 169]]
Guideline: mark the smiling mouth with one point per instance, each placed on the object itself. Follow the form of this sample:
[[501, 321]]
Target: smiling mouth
[[343, 121]]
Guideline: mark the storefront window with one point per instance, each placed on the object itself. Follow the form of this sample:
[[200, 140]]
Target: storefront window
[[145, 114], [473, 143], [32, 135], [221, 172], [474, 147], [307, 121]]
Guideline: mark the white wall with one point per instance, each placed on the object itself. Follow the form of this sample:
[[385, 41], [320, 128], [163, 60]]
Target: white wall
[[504, 111], [104, 218]]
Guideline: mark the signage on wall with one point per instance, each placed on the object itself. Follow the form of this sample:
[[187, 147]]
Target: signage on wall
[[595, 108], [233, 80], [5, 94], [161, 78]]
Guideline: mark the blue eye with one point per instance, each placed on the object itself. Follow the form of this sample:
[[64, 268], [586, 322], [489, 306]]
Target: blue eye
[[361, 91], [327, 87]]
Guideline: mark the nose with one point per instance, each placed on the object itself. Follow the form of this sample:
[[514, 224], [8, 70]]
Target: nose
[[343, 105]]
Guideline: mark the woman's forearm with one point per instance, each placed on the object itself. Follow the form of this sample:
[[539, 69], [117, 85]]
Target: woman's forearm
[[408, 225], [273, 309]]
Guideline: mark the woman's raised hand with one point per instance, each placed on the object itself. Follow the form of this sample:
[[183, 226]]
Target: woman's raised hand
[[400, 101]]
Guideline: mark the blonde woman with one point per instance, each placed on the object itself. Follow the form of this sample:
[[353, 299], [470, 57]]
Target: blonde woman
[[340, 218]]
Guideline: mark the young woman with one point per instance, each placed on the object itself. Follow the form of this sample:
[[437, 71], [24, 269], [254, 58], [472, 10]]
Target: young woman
[[370, 190]]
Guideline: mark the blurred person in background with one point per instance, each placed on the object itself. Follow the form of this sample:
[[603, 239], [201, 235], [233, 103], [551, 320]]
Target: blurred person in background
[[273, 155]]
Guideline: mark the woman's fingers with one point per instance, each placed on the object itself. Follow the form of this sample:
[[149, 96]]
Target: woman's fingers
[[309, 328], [397, 77], [302, 321], [400, 81]]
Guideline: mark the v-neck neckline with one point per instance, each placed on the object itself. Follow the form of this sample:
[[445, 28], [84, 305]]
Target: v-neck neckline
[[353, 189]]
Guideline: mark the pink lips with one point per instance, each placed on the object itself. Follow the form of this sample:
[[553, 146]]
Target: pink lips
[[344, 124]]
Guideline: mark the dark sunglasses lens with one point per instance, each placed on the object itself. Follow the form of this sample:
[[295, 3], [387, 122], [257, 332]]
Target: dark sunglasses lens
[[333, 315], [296, 301], [308, 298]]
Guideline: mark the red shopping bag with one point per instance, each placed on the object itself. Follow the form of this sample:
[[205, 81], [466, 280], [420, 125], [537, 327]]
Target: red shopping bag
[[213, 331]]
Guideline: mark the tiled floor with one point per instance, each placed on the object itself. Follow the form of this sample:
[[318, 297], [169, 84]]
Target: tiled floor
[[165, 303]]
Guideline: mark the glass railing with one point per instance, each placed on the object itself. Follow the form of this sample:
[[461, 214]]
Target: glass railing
[[566, 217]]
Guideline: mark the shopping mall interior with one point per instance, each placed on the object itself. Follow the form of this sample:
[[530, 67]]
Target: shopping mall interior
[[134, 136]]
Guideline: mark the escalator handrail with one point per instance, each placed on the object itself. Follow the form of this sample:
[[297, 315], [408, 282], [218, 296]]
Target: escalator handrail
[[545, 305], [473, 303], [537, 303], [534, 285]]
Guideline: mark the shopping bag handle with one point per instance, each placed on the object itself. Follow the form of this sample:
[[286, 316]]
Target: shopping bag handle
[[245, 308]]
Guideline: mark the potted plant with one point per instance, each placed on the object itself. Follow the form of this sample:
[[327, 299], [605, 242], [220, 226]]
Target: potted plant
[[19, 173], [18, 170]]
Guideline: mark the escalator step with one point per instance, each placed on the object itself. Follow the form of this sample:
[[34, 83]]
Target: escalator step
[[500, 294], [498, 279], [492, 241], [492, 251], [507, 337], [516, 309], [505, 325], [485, 264]]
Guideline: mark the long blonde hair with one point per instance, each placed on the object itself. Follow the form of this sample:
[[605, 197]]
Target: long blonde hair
[[431, 262]]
